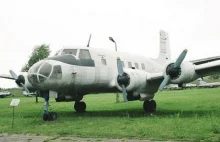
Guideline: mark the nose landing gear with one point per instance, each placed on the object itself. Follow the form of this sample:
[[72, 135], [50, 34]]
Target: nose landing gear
[[50, 116], [47, 116]]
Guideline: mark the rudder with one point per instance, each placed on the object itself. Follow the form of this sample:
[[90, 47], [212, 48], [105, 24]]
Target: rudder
[[164, 53]]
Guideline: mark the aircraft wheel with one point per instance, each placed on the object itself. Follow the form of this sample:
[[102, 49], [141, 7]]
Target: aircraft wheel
[[80, 106], [149, 106], [46, 116], [50, 116], [53, 115]]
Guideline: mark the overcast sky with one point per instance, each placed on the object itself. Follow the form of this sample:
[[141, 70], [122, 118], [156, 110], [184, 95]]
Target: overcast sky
[[135, 26]]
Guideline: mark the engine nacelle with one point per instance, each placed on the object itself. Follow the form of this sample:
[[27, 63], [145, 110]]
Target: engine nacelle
[[134, 80], [24, 75], [186, 74]]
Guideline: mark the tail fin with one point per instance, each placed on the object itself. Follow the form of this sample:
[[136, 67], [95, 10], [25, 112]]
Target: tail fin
[[201, 82], [164, 53]]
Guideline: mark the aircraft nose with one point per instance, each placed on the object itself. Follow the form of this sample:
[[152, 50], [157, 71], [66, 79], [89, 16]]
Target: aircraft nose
[[39, 72]]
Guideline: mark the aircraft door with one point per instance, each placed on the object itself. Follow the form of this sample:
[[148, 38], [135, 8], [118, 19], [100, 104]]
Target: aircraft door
[[97, 74], [101, 71]]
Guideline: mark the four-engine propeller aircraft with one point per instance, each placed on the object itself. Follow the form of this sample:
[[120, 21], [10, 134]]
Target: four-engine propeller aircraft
[[75, 72]]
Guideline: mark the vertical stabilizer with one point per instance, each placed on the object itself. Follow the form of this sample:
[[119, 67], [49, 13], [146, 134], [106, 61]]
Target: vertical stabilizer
[[164, 53]]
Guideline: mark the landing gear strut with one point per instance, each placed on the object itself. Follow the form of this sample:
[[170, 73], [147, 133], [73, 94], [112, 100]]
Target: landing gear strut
[[47, 116], [80, 106], [149, 106]]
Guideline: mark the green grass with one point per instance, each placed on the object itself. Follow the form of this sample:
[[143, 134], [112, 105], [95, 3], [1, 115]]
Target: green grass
[[192, 115]]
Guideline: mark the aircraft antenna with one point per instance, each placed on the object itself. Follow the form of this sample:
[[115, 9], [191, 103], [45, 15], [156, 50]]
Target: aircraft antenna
[[89, 40]]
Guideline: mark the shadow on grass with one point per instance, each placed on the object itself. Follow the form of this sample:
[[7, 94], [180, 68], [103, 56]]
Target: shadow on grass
[[133, 113]]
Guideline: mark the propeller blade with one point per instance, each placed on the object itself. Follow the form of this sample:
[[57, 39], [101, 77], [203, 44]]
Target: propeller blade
[[180, 59], [120, 67], [124, 93], [13, 74], [164, 82], [25, 88]]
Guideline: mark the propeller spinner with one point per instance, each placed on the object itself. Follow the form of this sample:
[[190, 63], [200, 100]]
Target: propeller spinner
[[19, 80], [173, 70]]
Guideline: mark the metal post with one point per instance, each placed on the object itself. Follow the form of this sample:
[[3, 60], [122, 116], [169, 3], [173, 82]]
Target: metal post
[[13, 117], [117, 95]]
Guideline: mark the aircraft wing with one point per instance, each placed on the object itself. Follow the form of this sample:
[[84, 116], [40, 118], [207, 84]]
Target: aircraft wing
[[155, 76], [205, 60], [7, 76], [208, 66]]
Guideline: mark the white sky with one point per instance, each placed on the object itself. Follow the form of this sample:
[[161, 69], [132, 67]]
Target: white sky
[[135, 26]]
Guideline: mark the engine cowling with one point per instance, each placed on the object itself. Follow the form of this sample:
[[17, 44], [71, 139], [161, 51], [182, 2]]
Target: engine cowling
[[132, 80], [22, 78], [184, 74]]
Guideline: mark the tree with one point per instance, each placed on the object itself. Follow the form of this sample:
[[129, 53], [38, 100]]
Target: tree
[[40, 52]]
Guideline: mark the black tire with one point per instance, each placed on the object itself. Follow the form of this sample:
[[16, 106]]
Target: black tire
[[53, 115], [80, 106], [149, 106], [46, 116]]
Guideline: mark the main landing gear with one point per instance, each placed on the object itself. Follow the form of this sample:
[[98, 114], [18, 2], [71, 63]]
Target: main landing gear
[[149, 106], [47, 116], [80, 106]]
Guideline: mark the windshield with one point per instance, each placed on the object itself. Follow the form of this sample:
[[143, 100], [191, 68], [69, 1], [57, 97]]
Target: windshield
[[69, 51]]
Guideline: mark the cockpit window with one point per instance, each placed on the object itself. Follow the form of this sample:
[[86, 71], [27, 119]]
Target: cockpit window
[[35, 67], [69, 51], [84, 54], [45, 69], [57, 72]]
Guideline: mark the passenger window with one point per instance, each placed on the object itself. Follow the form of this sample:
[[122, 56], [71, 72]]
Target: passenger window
[[57, 72], [123, 65], [103, 61], [142, 66], [129, 65], [84, 54], [136, 65], [69, 51]]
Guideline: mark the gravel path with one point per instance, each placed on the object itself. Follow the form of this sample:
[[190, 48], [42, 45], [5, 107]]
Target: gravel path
[[34, 138]]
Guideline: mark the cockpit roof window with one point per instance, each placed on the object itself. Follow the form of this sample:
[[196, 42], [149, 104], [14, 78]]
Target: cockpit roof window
[[69, 51], [84, 54], [35, 67]]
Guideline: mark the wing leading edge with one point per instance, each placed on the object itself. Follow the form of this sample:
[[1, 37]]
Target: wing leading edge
[[208, 68], [7, 76]]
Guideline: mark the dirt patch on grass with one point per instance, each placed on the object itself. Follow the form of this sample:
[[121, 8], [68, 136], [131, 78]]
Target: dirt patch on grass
[[34, 138]]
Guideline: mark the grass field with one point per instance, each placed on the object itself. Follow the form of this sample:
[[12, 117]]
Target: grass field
[[192, 115]]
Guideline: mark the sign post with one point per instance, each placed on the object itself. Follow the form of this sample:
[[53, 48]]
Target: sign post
[[14, 103]]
